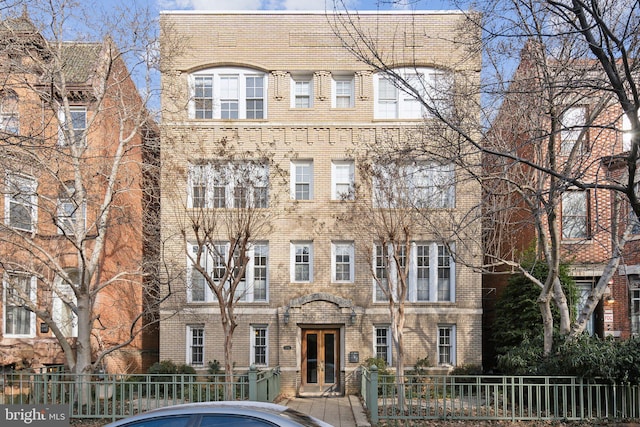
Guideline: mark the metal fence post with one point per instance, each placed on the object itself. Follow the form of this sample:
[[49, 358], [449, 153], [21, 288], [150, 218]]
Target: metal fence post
[[372, 398], [253, 383]]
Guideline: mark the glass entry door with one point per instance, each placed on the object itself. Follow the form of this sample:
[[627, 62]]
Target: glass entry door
[[320, 362]]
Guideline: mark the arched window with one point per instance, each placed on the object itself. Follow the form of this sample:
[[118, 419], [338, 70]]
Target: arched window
[[9, 118], [228, 93]]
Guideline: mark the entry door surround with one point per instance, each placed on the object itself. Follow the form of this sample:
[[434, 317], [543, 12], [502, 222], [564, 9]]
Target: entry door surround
[[321, 359]]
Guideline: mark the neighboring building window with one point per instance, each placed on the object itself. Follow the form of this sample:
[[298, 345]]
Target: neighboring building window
[[9, 118], [69, 210], [302, 261], [573, 123], [635, 312], [342, 90], [447, 345], [228, 185], [195, 345], [382, 340], [20, 202], [343, 266], [575, 215], [302, 92], [18, 320], [342, 180], [78, 126], [253, 286], [393, 101], [63, 302], [302, 180], [228, 93], [259, 345], [429, 262]]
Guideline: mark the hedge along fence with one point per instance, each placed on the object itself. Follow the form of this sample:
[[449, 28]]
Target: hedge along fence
[[118, 396], [496, 398]]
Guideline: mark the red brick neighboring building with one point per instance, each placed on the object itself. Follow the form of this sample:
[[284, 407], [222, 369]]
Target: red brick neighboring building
[[59, 137]]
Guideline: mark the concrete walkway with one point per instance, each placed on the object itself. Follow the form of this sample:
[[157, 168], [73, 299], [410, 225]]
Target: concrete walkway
[[344, 411]]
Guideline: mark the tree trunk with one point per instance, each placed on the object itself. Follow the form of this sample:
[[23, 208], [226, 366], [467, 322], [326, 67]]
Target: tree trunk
[[547, 323], [228, 361], [83, 351]]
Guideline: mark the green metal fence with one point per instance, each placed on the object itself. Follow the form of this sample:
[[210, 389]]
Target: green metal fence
[[496, 398], [117, 396]]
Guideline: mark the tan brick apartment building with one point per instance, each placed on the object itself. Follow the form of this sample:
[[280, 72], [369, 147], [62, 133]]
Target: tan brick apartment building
[[280, 82], [47, 218]]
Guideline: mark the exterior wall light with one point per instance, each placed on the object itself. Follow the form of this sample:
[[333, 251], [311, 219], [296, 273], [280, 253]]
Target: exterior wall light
[[352, 317], [286, 316]]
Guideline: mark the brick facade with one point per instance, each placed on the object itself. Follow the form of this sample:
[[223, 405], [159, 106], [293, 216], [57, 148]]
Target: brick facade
[[283, 46]]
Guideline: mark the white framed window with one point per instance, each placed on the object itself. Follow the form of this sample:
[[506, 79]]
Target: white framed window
[[432, 185], [635, 311], [259, 345], [9, 116], [575, 214], [20, 207], [447, 345], [301, 261], [76, 124], [254, 285], [302, 92], [343, 262], [19, 322], [342, 180], [70, 211], [63, 302], [573, 123], [429, 263], [301, 179], [394, 101], [382, 343], [228, 93], [422, 185], [195, 345], [219, 185], [342, 90]]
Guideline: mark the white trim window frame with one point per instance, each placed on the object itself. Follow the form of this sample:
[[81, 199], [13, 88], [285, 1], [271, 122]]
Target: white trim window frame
[[9, 112], [432, 185], [259, 346], [20, 203], [382, 343], [69, 212], [393, 101], [342, 262], [195, 345], [634, 310], [342, 91], [78, 126], [214, 263], [342, 180], [301, 174], [446, 345], [63, 299], [228, 185], [572, 122], [228, 93], [18, 321], [301, 262], [576, 215], [301, 92]]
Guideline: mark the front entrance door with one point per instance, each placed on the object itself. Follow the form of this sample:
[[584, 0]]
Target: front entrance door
[[320, 360]]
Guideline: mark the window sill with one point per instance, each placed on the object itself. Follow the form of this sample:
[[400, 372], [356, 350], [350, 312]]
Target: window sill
[[576, 241]]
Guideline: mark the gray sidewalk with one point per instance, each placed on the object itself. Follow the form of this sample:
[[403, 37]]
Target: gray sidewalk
[[345, 411]]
